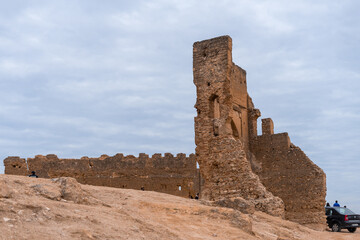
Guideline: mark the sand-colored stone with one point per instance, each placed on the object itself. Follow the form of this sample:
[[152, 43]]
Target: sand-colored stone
[[5, 191], [221, 129], [234, 161], [175, 175], [15, 166], [288, 173]]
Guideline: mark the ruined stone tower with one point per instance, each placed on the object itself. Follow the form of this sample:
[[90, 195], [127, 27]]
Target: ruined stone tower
[[235, 163], [221, 128]]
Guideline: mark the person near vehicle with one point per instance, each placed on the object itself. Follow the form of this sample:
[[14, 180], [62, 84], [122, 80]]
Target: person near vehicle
[[336, 204], [328, 204]]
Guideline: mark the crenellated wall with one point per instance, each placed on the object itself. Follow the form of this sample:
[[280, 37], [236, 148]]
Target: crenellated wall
[[177, 175]]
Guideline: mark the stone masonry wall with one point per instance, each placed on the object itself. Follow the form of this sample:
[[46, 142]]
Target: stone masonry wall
[[234, 161], [289, 174], [162, 174], [221, 129]]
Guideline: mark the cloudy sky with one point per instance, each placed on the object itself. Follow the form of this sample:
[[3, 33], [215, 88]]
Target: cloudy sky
[[84, 78]]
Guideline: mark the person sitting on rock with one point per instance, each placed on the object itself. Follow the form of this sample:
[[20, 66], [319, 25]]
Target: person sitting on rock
[[336, 204], [197, 196], [33, 175]]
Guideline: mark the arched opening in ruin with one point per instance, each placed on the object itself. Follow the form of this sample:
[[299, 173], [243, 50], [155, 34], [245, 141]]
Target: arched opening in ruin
[[179, 187], [214, 106]]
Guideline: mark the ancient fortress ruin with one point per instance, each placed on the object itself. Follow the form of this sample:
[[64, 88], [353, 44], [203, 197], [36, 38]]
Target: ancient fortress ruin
[[238, 167]]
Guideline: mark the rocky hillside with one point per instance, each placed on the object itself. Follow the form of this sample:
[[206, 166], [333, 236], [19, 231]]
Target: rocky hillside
[[64, 209]]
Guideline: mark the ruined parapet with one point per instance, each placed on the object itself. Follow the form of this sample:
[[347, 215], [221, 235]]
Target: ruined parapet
[[15, 166], [175, 175], [221, 128], [267, 126], [288, 173]]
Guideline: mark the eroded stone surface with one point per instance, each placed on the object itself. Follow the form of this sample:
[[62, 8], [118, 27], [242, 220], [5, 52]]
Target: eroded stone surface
[[221, 128], [177, 175], [288, 173], [237, 163], [5, 191]]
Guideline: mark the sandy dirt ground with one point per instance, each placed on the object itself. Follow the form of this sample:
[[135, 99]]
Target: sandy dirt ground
[[64, 209]]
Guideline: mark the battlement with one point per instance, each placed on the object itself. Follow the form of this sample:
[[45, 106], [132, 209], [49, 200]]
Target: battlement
[[279, 141], [164, 173]]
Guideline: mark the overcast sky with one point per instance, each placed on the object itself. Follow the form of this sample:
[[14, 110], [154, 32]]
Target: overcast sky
[[85, 78]]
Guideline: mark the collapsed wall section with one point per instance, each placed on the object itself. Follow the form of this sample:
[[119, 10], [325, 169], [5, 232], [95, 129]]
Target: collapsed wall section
[[289, 174], [177, 175], [15, 166]]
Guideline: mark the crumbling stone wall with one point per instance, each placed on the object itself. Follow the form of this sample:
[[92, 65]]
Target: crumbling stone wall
[[288, 173], [177, 175], [234, 161], [221, 129], [15, 166]]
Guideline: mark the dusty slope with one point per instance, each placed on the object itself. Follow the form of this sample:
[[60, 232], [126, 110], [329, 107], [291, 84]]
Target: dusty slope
[[64, 209]]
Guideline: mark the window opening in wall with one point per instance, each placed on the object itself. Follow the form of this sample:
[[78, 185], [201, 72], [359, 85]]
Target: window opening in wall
[[197, 165], [179, 187]]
